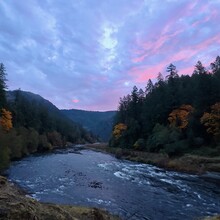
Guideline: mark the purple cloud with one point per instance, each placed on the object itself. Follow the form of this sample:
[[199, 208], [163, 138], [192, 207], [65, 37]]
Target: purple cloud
[[86, 54]]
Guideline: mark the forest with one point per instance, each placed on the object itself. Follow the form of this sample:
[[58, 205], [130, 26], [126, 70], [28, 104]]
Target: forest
[[29, 123], [174, 115], [99, 123]]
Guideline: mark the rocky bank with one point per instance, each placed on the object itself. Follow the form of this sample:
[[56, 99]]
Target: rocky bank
[[15, 205]]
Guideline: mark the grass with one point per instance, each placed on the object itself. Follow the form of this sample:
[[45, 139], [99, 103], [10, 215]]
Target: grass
[[186, 163]]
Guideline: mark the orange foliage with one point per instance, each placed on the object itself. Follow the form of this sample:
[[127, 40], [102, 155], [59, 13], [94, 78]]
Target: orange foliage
[[179, 117], [212, 120], [6, 120], [119, 129]]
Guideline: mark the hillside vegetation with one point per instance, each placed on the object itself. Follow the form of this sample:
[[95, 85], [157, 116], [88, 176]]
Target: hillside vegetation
[[175, 115], [29, 123], [99, 123]]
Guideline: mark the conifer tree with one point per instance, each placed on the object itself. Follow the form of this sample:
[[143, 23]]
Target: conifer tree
[[3, 85]]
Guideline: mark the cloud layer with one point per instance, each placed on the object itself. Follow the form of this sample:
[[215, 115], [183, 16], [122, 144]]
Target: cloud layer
[[86, 54]]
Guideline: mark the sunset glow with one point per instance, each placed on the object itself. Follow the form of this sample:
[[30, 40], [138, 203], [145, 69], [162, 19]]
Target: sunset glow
[[98, 50]]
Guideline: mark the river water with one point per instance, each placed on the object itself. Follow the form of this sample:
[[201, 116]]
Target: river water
[[130, 190]]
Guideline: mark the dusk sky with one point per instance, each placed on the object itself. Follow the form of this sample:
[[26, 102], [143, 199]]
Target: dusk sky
[[86, 54]]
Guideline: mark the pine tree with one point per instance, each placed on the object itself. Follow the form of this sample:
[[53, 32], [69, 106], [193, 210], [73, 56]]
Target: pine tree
[[199, 68], [215, 66], [149, 87], [171, 69], [3, 85]]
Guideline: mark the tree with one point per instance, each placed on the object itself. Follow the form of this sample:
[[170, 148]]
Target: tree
[[180, 117], [6, 120], [212, 120], [134, 94], [171, 69], [199, 68], [160, 80], [3, 85], [119, 129], [160, 77], [216, 65], [149, 87]]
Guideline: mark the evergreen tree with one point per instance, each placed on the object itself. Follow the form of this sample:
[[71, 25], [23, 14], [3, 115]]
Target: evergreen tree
[[216, 65], [3, 85], [149, 87], [199, 68], [181, 101], [171, 69]]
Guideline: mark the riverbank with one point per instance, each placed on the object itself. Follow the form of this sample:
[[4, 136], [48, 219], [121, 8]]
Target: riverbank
[[187, 163], [15, 205]]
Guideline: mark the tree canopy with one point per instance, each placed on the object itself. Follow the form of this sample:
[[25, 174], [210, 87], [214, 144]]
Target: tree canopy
[[29, 123], [172, 111]]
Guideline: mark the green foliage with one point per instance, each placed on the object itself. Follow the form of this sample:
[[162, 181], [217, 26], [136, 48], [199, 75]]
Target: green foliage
[[158, 138], [207, 151], [146, 114], [140, 144], [176, 148], [55, 138], [3, 85], [4, 157], [37, 125], [43, 143], [99, 123]]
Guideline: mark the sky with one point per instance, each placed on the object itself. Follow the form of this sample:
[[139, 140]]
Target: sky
[[86, 54]]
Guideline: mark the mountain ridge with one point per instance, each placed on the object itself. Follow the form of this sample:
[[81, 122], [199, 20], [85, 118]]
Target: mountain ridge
[[98, 122]]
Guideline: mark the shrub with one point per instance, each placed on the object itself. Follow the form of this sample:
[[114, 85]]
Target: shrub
[[139, 144]]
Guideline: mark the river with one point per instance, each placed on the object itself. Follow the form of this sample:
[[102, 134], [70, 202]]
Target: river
[[131, 190]]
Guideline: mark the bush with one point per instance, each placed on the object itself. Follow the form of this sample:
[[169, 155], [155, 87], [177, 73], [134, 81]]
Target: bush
[[207, 151], [158, 139], [139, 144], [176, 149], [4, 157]]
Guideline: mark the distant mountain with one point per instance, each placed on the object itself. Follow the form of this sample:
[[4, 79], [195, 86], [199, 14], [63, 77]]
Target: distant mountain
[[99, 123], [32, 110], [33, 98]]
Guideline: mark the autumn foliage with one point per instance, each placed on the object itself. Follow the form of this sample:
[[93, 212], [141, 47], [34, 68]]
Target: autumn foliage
[[6, 119], [212, 120], [119, 129], [180, 117]]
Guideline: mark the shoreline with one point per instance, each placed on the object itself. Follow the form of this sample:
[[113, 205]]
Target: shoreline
[[15, 204], [192, 164]]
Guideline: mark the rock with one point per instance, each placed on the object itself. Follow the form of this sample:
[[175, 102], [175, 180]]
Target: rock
[[3, 180], [95, 184]]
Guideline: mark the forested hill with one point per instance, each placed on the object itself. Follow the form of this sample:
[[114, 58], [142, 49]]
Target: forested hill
[[12, 96], [99, 123], [33, 111], [30, 123], [174, 115]]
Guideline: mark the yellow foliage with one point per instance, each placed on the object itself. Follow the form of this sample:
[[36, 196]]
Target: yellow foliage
[[180, 117], [6, 120], [212, 120], [119, 129]]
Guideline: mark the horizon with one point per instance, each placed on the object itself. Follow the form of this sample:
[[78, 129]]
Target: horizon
[[86, 55]]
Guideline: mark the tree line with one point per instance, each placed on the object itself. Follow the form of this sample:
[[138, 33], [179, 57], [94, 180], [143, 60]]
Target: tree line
[[174, 115], [29, 123]]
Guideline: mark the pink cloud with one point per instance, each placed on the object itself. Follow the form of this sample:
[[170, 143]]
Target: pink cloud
[[183, 55], [153, 47], [75, 100], [187, 70], [143, 73]]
